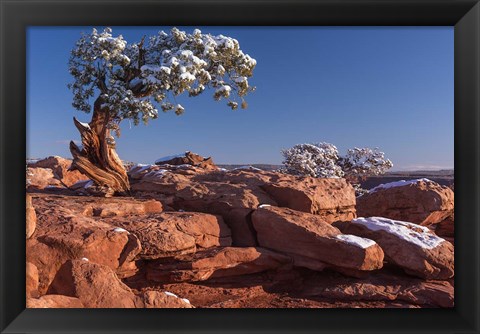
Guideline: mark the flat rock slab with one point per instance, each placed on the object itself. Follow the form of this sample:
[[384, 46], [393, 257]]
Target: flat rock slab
[[311, 239], [385, 285], [410, 246], [175, 233], [123, 208], [214, 263]]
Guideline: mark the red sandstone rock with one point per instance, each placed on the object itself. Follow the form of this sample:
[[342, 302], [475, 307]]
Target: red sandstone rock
[[164, 299], [214, 263], [332, 199], [412, 247], [189, 159], [123, 208], [31, 280], [61, 170], [424, 202], [54, 301], [31, 217], [446, 228], [240, 222], [164, 179], [97, 286], [309, 236], [41, 178], [234, 194], [175, 233], [62, 235], [383, 286], [263, 289]]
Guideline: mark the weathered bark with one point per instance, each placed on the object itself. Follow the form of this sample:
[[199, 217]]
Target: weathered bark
[[97, 158]]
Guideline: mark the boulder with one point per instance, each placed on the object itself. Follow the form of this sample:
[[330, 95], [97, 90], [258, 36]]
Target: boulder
[[41, 178], [63, 235], [54, 301], [97, 286], [31, 217], [418, 201], [176, 233], [214, 263], [410, 246], [332, 199], [312, 242], [31, 280], [61, 170]]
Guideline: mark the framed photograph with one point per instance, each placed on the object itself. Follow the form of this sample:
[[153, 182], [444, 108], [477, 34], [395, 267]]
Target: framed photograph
[[321, 144]]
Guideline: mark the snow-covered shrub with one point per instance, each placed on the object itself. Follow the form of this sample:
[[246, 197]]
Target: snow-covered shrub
[[316, 160], [323, 160], [360, 163]]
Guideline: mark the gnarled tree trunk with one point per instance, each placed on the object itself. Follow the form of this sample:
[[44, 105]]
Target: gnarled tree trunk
[[97, 158]]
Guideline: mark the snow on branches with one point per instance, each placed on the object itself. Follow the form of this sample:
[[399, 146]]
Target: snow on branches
[[133, 79], [323, 160], [316, 160], [364, 162]]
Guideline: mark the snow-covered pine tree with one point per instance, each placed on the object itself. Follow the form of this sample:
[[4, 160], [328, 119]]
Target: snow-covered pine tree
[[131, 80]]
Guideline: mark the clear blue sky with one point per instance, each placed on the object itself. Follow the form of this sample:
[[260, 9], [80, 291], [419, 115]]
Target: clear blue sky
[[389, 87]]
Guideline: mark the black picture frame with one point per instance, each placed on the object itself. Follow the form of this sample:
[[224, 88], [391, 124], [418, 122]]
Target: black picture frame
[[16, 15]]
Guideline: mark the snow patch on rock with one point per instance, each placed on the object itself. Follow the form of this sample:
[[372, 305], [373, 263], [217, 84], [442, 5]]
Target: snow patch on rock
[[356, 241], [120, 230], [170, 294], [141, 168], [247, 168], [412, 233], [400, 183]]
